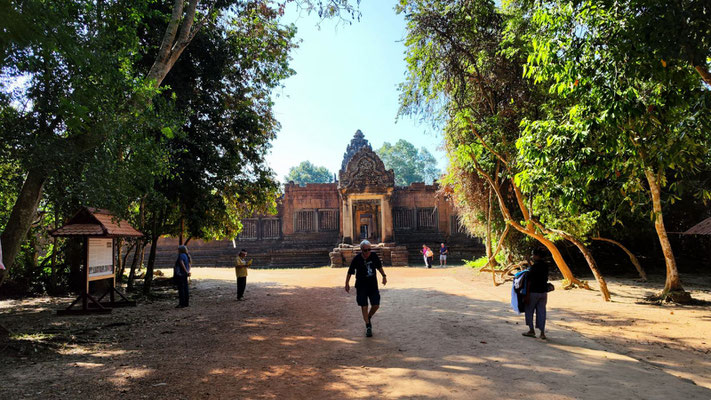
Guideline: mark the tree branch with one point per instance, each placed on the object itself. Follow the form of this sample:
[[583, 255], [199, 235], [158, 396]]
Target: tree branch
[[704, 72], [586, 253], [632, 257], [494, 152]]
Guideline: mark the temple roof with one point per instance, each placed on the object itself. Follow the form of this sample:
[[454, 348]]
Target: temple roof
[[358, 142]]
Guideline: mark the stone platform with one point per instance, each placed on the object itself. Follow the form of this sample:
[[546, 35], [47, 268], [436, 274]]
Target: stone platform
[[389, 254]]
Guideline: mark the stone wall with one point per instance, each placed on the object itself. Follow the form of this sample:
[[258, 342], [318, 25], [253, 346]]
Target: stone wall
[[318, 201], [309, 226], [421, 215]]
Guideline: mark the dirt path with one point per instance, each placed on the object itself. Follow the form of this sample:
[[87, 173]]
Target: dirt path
[[440, 334]]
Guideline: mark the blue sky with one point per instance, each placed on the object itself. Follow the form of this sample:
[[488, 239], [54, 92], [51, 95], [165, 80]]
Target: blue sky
[[346, 79]]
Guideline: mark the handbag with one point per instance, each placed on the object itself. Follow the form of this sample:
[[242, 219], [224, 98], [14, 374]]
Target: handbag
[[550, 287]]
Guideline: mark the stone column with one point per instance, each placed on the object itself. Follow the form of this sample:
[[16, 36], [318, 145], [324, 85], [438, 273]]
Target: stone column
[[347, 220], [387, 219]]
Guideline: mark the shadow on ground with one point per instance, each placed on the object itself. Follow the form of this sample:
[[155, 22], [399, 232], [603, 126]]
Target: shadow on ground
[[307, 343]]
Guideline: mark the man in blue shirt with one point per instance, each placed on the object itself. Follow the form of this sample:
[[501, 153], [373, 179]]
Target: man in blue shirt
[[443, 251]]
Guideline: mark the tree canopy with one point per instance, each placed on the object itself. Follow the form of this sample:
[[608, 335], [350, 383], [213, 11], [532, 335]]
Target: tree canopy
[[307, 172], [570, 112], [409, 163], [109, 104]]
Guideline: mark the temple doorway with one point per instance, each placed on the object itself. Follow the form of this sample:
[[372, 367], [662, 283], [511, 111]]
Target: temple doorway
[[367, 226]]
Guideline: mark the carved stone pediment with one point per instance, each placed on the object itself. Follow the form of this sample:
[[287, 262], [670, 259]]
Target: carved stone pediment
[[365, 172]]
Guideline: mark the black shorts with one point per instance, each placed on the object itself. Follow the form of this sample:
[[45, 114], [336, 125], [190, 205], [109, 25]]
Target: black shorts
[[365, 293]]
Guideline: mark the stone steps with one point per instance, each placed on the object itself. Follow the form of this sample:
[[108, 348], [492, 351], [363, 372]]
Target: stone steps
[[267, 254]]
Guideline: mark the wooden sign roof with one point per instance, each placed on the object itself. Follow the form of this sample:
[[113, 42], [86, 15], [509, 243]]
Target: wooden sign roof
[[702, 228], [96, 222]]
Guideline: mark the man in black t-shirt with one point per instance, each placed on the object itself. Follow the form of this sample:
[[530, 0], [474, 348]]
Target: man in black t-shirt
[[364, 266]]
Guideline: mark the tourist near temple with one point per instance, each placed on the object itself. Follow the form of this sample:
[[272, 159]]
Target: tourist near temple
[[321, 224]]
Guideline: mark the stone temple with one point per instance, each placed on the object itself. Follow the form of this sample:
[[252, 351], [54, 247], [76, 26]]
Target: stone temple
[[316, 224]]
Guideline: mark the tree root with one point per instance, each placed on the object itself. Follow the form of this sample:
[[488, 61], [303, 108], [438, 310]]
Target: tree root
[[575, 284], [505, 274], [679, 296]]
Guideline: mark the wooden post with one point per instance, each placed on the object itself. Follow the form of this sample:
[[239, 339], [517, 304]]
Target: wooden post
[[85, 295], [112, 289]]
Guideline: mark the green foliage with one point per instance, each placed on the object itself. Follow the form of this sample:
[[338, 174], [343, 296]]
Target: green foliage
[[572, 102], [409, 163], [481, 262], [458, 76], [624, 98], [306, 172], [74, 104]]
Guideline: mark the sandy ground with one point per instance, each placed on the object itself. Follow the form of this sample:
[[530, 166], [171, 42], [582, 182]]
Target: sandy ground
[[441, 333]]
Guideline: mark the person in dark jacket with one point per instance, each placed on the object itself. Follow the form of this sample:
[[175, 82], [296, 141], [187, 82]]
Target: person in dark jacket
[[181, 272], [536, 294]]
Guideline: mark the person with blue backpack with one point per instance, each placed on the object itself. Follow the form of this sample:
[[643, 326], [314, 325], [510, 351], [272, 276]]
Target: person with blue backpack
[[535, 294]]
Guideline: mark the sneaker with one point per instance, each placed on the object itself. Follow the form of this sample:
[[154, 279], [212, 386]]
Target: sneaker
[[369, 331], [543, 336], [529, 334]]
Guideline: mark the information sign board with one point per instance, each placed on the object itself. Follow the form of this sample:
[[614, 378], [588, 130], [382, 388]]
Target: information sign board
[[100, 263]]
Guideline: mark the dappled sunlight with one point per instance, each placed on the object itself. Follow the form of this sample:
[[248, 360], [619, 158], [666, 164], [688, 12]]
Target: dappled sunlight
[[124, 376], [86, 365], [456, 367], [109, 353], [591, 355]]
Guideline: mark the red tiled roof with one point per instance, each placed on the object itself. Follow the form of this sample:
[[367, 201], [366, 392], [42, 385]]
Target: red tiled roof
[[95, 222], [702, 228], [79, 230]]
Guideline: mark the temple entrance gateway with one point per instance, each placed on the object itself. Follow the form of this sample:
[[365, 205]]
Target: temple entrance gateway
[[365, 189]]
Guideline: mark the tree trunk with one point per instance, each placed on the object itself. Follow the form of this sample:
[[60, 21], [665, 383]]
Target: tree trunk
[[491, 260], [119, 259], [22, 215], [182, 229], [148, 278], [572, 281], [53, 267], [53, 277], [591, 263], [123, 262], [672, 288], [137, 257], [633, 258]]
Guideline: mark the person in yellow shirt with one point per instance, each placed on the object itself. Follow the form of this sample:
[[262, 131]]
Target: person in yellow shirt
[[241, 272]]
